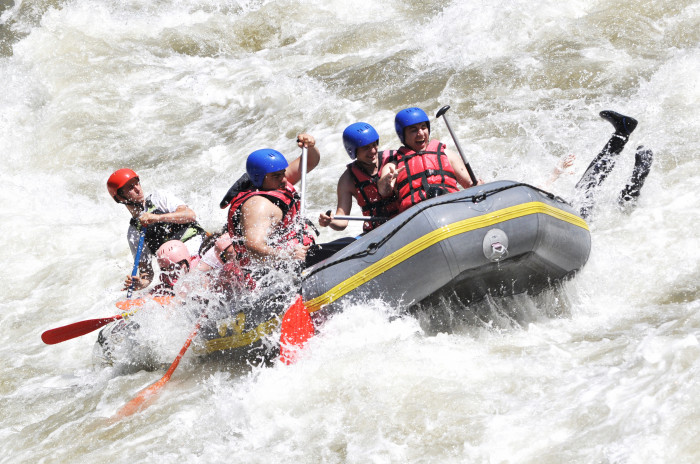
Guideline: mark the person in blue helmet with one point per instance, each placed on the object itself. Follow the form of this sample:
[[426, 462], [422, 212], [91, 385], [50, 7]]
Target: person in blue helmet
[[262, 213], [359, 180], [421, 168]]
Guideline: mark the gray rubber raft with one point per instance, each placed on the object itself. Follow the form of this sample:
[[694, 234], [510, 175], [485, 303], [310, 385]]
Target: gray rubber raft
[[500, 239]]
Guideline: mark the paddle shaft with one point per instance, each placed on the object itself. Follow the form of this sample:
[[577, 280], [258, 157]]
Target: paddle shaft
[[141, 400], [355, 218], [302, 194], [137, 260], [442, 112], [359, 218]]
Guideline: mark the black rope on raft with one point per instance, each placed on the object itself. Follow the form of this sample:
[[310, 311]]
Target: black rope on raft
[[373, 247]]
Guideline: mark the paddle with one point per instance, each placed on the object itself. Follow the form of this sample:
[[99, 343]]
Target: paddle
[[297, 326], [137, 260], [302, 194], [442, 112], [356, 218], [77, 329], [144, 398]]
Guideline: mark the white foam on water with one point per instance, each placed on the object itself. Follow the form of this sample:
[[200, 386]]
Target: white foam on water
[[604, 371]]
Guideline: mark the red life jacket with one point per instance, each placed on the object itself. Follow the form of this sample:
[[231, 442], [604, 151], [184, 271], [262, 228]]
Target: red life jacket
[[425, 171], [368, 196], [285, 233]]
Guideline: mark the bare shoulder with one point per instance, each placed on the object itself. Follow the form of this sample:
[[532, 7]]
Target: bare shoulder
[[345, 182], [260, 207]]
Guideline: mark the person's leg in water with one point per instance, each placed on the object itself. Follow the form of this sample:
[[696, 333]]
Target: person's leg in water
[[602, 164], [642, 165]]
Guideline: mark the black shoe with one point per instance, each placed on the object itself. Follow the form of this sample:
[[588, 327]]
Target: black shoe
[[624, 125], [642, 165]]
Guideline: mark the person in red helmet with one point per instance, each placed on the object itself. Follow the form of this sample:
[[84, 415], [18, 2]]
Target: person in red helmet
[[160, 215]]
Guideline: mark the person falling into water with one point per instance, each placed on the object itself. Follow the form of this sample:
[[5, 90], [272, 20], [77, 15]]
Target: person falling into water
[[430, 175], [604, 163], [160, 215]]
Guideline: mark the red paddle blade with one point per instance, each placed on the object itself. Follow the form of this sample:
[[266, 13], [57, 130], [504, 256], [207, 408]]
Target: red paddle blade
[[76, 329], [297, 328]]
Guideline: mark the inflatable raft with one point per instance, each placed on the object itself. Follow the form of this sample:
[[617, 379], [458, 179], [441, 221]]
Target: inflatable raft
[[500, 239]]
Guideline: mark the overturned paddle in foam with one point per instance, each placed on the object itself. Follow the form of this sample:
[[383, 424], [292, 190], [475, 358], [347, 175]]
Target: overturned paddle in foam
[[297, 329], [146, 396]]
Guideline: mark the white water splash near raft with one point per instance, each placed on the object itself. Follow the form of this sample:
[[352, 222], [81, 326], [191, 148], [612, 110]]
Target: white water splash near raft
[[181, 92]]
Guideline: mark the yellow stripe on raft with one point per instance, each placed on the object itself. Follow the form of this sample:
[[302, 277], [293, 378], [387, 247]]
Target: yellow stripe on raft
[[238, 340], [436, 236]]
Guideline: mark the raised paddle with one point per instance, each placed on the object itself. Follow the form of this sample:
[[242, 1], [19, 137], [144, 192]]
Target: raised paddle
[[146, 396], [297, 326], [442, 112]]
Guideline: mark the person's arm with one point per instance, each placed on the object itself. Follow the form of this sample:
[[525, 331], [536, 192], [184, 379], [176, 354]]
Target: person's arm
[[563, 165], [345, 191], [461, 172], [387, 179], [313, 156], [144, 277], [183, 214], [258, 217]]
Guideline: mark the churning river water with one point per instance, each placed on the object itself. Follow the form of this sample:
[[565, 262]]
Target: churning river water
[[182, 90]]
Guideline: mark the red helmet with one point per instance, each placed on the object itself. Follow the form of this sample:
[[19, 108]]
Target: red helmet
[[118, 179]]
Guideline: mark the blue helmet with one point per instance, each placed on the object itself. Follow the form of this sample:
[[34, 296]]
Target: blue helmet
[[409, 117], [262, 162], [358, 135]]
